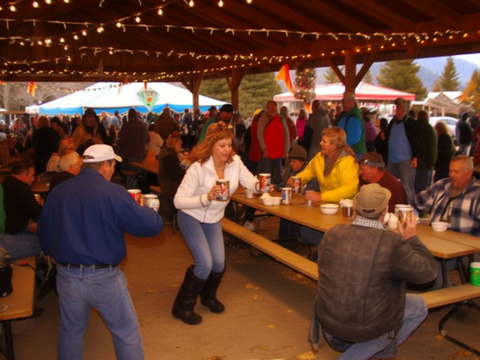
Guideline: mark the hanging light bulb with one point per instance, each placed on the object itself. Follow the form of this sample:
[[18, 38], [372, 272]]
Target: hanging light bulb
[[220, 3], [249, 1], [62, 40], [66, 1], [160, 12], [137, 19], [191, 3], [48, 2], [84, 32], [12, 8], [75, 37], [35, 4], [100, 29]]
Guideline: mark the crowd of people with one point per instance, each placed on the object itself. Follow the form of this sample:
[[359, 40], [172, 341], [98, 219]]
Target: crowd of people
[[337, 153]]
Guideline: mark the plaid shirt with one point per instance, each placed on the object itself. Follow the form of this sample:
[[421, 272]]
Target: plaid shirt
[[465, 208]]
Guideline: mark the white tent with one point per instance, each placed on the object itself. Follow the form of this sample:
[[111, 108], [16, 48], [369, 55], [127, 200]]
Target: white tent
[[72, 103], [114, 96], [364, 91]]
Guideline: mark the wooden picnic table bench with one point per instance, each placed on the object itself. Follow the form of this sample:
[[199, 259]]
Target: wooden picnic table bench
[[19, 304], [457, 295]]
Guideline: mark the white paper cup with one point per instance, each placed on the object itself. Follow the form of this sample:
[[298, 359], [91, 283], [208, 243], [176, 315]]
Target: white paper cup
[[248, 194]]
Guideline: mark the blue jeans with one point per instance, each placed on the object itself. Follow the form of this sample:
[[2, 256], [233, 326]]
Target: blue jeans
[[384, 347], [273, 167], [20, 245], [80, 289], [205, 242], [310, 235], [450, 265], [406, 174]]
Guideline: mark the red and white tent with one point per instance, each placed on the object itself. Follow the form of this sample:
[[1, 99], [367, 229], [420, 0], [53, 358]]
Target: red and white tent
[[363, 92]]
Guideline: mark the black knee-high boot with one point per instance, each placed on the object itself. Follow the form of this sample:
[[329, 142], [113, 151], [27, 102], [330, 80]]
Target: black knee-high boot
[[187, 297], [208, 296]]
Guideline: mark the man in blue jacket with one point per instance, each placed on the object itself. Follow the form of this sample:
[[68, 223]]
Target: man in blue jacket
[[82, 228]]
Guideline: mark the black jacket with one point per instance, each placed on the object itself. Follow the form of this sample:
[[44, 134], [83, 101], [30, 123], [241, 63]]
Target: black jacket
[[410, 131]]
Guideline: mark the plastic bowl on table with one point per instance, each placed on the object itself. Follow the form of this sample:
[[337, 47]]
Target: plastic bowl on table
[[329, 209], [267, 201], [439, 226], [277, 200]]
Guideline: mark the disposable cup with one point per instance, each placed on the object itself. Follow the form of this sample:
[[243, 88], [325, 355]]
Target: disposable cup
[[248, 194], [136, 194], [475, 273]]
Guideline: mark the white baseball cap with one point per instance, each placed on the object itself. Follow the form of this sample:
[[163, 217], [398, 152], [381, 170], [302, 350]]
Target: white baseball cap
[[99, 153]]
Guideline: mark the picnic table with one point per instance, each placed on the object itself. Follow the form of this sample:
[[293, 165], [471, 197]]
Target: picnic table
[[19, 304]]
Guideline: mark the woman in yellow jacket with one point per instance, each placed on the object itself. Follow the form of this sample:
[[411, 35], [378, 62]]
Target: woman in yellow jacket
[[336, 169]]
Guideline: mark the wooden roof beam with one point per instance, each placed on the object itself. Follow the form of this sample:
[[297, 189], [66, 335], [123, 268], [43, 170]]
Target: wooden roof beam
[[282, 10], [383, 13], [439, 11]]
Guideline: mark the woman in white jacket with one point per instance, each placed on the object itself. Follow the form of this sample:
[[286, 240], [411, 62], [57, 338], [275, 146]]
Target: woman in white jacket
[[199, 215]]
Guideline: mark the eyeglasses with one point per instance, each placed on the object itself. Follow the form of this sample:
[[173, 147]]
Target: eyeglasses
[[371, 163]]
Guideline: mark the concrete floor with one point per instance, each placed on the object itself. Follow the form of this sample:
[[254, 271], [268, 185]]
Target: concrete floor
[[268, 311]]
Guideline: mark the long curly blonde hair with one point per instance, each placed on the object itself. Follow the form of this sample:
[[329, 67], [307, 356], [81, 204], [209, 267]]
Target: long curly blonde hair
[[215, 132], [337, 137]]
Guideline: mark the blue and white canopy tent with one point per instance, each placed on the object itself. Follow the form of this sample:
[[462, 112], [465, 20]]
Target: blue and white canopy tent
[[114, 96]]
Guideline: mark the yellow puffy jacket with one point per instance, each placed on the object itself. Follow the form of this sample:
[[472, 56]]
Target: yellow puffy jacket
[[341, 183]]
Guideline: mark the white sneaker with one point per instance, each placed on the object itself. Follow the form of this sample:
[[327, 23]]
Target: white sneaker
[[249, 226]]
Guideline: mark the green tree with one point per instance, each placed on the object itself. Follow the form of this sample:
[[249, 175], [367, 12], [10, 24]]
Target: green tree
[[471, 94], [402, 75], [331, 77], [436, 86], [368, 77], [449, 79], [254, 91]]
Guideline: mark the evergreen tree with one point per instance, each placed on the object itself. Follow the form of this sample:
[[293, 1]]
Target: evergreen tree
[[402, 75], [449, 78], [471, 94], [368, 77], [436, 86], [331, 77], [254, 91]]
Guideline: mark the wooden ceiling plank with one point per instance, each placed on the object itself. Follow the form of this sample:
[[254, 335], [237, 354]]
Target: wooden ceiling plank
[[350, 23], [439, 11], [383, 13]]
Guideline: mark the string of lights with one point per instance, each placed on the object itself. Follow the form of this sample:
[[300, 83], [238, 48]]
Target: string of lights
[[386, 41]]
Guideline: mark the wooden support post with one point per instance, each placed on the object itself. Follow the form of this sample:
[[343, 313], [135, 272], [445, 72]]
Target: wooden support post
[[234, 79], [350, 69], [192, 83]]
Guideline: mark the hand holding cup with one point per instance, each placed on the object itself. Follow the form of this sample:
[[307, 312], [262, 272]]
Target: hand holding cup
[[408, 226], [214, 192]]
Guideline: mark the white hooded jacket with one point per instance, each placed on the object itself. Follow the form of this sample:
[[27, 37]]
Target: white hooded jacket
[[192, 194]]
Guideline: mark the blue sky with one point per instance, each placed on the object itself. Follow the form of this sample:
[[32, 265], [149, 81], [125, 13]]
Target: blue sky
[[474, 58]]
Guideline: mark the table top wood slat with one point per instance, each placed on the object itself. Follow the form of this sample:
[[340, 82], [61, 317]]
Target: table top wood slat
[[22, 296], [311, 216], [453, 236]]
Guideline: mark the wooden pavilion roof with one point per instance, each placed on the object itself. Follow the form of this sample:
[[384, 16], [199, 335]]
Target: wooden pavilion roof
[[102, 40]]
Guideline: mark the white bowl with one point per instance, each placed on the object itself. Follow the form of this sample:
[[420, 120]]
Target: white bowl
[[329, 209], [439, 226], [277, 200], [267, 201]]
